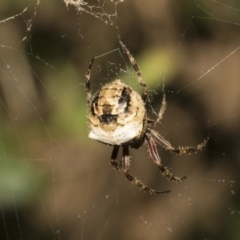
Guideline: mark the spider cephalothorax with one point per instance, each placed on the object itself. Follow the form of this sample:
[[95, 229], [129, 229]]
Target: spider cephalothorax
[[118, 117]]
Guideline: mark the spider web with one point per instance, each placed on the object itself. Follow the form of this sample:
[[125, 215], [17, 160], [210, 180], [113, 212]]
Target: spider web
[[56, 183]]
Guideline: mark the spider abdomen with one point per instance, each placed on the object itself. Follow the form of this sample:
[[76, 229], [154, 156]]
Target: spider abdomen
[[117, 115]]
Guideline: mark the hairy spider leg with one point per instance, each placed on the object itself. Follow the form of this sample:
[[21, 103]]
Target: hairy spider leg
[[137, 70], [87, 82], [134, 180], [161, 111], [157, 160], [180, 150], [114, 157]]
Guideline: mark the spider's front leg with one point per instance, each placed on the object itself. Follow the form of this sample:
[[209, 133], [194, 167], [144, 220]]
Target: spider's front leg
[[137, 70], [87, 81], [134, 180]]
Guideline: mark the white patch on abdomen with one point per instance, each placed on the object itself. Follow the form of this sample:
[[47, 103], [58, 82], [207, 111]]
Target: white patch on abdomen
[[120, 135]]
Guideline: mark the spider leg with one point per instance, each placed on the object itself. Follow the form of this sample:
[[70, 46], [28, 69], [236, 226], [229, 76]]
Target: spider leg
[[157, 160], [134, 180], [137, 70], [161, 111], [87, 81], [114, 157], [181, 150]]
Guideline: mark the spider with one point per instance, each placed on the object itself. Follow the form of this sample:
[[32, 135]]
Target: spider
[[118, 117]]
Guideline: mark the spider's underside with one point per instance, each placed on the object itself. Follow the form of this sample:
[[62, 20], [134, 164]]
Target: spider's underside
[[118, 117]]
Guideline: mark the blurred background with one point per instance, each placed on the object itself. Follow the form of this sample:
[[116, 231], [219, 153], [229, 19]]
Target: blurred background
[[55, 182]]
